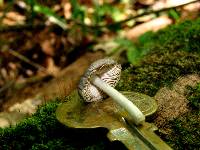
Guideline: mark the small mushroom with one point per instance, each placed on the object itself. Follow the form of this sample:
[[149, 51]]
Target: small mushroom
[[99, 80]]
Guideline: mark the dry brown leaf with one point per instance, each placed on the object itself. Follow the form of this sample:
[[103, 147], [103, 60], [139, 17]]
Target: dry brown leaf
[[48, 43], [190, 11], [29, 106], [13, 18], [67, 8], [153, 25], [4, 123], [169, 3], [146, 2], [192, 7], [3, 73], [47, 47]]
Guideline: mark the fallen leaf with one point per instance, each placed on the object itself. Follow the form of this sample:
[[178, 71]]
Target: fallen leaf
[[153, 25], [67, 8], [13, 18], [168, 3], [146, 2]]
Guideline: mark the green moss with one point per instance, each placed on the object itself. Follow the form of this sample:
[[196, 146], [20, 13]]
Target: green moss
[[43, 131], [157, 70], [186, 129], [194, 97], [168, 54], [184, 36], [185, 132]]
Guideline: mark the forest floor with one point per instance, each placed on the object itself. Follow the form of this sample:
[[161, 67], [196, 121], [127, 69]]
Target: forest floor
[[46, 61]]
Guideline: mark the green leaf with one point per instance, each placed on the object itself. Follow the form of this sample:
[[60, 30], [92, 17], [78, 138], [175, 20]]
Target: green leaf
[[174, 14], [144, 38], [50, 14], [53, 17], [78, 11], [133, 54]]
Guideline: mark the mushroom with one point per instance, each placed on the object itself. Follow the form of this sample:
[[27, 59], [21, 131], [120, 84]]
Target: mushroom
[[99, 80]]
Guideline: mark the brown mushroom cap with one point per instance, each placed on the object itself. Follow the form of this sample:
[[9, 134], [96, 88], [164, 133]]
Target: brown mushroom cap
[[107, 70]]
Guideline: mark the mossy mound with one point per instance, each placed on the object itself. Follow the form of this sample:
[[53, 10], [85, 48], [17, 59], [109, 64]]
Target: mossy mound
[[194, 97], [159, 69], [185, 132], [172, 52]]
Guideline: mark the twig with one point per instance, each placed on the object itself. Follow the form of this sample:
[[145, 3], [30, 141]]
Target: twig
[[18, 28], [137, 16], [25, 59], [154, 12], [6, 86], [31, 80]]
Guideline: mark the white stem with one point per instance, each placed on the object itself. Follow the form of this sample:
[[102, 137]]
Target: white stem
[[137, 116]]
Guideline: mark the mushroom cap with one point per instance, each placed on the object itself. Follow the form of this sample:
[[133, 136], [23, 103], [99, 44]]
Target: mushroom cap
[[107, 70]]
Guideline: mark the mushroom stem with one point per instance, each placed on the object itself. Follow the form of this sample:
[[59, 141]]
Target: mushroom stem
[[137, 116]]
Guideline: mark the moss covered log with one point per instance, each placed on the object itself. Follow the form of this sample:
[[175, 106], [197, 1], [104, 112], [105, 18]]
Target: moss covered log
[[169, 54]]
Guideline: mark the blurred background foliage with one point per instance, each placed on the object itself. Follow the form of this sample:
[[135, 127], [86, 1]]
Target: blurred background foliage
[[100, 24]]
